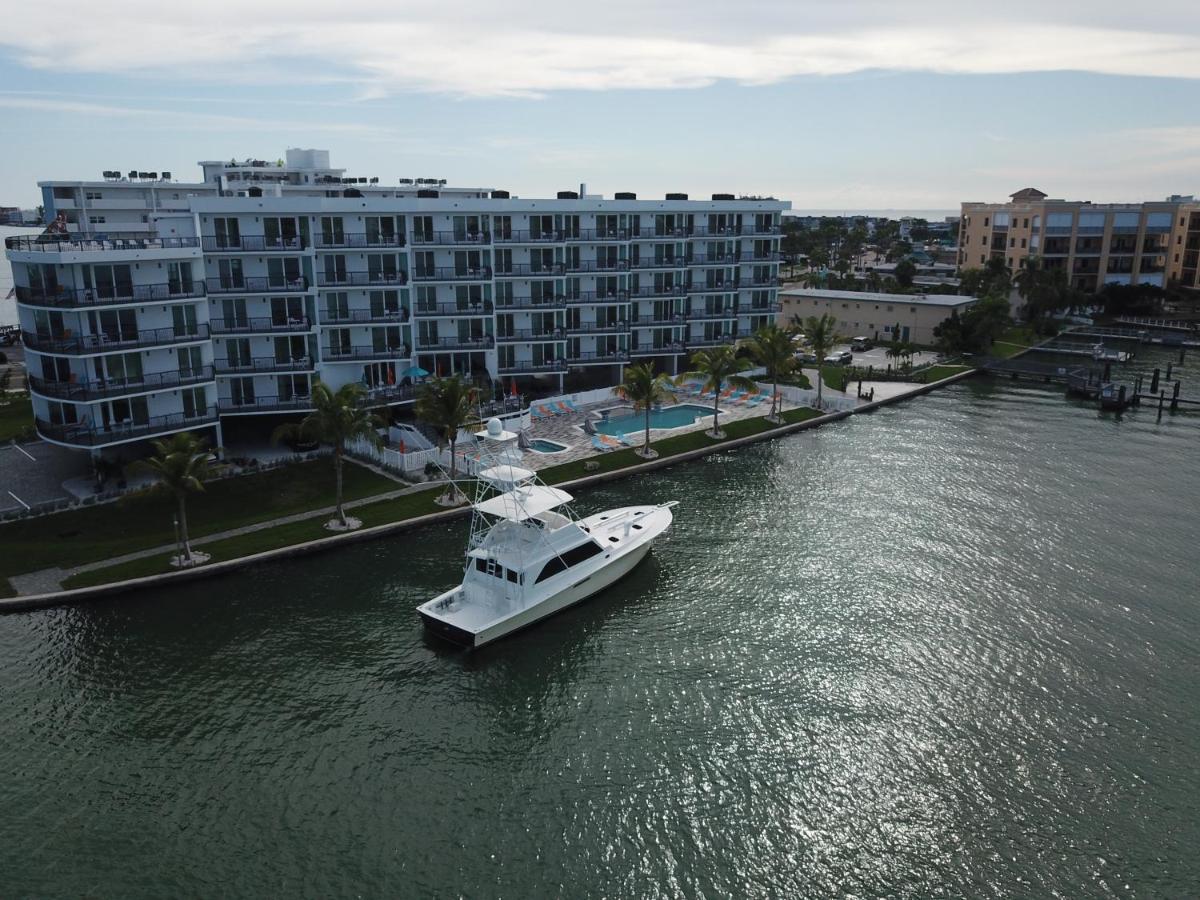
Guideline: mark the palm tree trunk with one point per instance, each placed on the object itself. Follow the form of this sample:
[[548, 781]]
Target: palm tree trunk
[[337, 467], [183, 531], [716, 409], [646, 445], [774, 396], [453, 469]]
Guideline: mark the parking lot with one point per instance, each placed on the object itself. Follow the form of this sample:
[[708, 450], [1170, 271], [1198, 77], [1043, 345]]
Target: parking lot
[[878, 357], [34, 473]]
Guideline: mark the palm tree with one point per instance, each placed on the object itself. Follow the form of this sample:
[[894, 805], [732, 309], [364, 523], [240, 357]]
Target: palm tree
[[645, 390], [772, 347], [448, 404], [822, 335], [718, 367], [337, 418], [181, 464]]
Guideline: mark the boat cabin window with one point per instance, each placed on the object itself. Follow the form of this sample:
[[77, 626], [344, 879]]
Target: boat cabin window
[[572, 557], [481, 565]]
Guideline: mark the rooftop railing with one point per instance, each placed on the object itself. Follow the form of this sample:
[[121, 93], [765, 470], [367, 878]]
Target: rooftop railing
[[95, 243]]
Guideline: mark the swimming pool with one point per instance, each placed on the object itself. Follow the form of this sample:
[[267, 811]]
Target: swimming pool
[[628, 421], [541, 445]]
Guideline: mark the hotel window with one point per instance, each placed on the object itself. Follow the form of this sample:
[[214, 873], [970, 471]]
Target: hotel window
[[96, 220], [1022, 243], [1025, 223], [96, 195]]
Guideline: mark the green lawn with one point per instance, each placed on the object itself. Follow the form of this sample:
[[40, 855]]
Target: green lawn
[[937, 373], [796, 379], [16, 417], [418, 504], [1013, 341], [380, 513], [144, 520], [834, 377]]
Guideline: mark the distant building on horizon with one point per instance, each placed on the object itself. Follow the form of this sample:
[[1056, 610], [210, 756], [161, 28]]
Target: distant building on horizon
[[1155, 243]]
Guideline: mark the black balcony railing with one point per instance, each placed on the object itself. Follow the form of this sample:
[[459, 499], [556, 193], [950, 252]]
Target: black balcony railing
[[716, 259], [529, 237], [530, 270], [530, 335], [596, 265], [391, 393], [598, 356], [534, 368], [264, 364], [480, 342], [600, 235], [72, 298], [596, 297], [752, 229], [670, 290], [483, 273], [558, 301], [356, 241], [710, 314], [102, 388], [444, 238], [264, 404], [87, 435], [253, 243], [770, 281], [256, 284], [46, 243], [349, 354], [599, 328], [675, 347], [657, 321], [714, 341], [259, 325], [660, 262], [75, 345], [356, 316], [716, 287], [361, 279], [454, 309]]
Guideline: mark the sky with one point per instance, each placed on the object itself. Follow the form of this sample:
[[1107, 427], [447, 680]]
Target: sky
[[834, 106]]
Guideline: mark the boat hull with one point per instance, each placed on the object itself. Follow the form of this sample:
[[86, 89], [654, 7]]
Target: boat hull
[[613, 570]]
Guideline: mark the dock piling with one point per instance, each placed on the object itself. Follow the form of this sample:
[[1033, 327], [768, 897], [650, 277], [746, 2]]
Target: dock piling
[[1154, 382], [1175, 398], [1161, 395]]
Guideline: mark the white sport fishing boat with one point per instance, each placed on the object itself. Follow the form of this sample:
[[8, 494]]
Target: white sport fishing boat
[[529, 556]]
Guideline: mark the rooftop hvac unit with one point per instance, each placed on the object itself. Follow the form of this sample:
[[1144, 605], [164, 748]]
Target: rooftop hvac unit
[[722, 196], [428, 193], [500, 195], [568, 195], [677, 196], [166, 176], [624, 195]]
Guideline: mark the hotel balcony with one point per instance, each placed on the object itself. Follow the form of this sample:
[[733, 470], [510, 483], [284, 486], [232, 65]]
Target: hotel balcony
[[49, 243], [531, 336], [711, 315], [668, 234], [598, 328], [358, 241], [362, 279], [546, 304], [79, 435], [451, 238], [720, 287], [674, 348], [264, 325], [387, 394], [727, 231], [598, 357], [229, 406], [452, 274], [599, 297], [529, 367], [766, 230], [453, 309], [761, 257], [601, 235], [104, 388], [768, 309], [129, 294], [253, 243], [264, 365], [669, 291], [482, 342], [364, 317], [772, 281], [674, 262], [699, 342], [251, 284], [659, 322], [95, 344], [597, 265], [719, 259], [529, 237], [528, 270], [364, 353]]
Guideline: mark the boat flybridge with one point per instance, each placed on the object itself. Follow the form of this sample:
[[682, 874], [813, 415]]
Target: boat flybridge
[[528, 555]]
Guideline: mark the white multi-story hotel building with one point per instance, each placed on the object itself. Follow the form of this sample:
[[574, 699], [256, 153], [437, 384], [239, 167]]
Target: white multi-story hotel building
[[167, 306]]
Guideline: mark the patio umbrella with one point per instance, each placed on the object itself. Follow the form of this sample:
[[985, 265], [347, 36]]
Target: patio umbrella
[[513, 387], [415, 372]]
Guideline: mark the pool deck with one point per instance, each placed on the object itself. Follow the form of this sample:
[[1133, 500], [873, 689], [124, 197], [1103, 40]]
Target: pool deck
[[568, 428]]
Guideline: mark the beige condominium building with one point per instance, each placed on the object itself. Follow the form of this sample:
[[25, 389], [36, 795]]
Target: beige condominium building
[[1155, 243], [880, 317]]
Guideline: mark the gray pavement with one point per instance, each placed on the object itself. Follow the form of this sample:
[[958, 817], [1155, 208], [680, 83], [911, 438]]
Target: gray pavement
[[35, 473]]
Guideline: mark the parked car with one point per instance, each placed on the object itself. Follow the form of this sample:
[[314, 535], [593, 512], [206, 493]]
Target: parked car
[[807, 357], [861, 344], [840, 358]]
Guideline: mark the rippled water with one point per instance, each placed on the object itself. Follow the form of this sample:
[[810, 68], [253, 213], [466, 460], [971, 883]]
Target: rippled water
[[946, 649]]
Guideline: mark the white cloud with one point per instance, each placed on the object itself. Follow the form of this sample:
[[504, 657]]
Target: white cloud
[[509, 49]]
